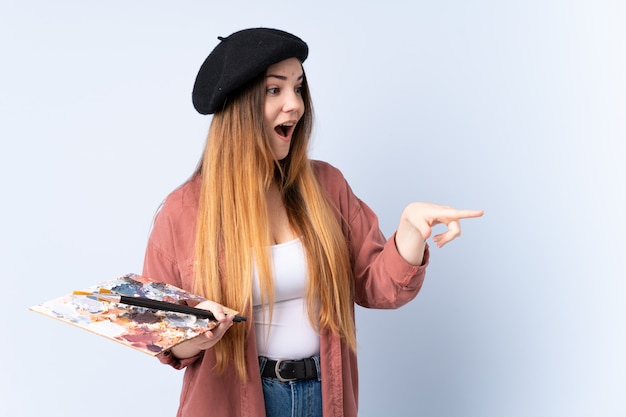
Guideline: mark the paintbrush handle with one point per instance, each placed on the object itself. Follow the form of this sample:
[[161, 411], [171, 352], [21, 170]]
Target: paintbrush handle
[[166, 306], [163, 305]]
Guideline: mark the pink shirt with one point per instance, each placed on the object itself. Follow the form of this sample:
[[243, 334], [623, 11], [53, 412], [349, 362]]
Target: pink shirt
[[383, 279]]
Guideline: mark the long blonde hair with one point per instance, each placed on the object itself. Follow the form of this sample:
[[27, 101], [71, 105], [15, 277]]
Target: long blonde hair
[[233, 236]]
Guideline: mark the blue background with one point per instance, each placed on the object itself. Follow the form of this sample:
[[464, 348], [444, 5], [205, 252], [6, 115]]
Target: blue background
[[514, 107]]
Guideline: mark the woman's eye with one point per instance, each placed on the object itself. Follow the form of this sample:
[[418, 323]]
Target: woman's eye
[[273, 90], [298, 90]]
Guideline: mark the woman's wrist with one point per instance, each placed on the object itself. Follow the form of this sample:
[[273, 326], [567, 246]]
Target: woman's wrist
[[186, 350], [410, 242]]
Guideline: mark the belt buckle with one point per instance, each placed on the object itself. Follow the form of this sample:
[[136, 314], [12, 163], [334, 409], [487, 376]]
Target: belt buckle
[[278, 375]]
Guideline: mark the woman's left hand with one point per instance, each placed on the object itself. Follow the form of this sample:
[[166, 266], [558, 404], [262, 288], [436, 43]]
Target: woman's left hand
[[416, 225]]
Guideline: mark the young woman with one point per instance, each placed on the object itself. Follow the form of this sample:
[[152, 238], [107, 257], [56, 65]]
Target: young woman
[[264, 230]]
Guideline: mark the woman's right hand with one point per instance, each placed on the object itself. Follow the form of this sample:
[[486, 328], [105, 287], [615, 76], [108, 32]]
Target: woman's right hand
[[208, 339]]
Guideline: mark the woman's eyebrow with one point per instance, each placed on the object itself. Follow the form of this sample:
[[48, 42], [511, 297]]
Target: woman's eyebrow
[[282, 77]]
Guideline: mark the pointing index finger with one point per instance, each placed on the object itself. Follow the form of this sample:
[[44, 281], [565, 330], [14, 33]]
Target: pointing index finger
[[467, 214]]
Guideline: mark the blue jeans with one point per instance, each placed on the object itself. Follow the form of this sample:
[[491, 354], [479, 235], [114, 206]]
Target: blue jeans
[[293, 398]]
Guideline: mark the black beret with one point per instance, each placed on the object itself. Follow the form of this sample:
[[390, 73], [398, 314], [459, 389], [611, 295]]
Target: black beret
[[238, 59]]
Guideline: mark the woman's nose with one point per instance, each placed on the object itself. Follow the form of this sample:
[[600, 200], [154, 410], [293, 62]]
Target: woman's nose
[[293, 102]]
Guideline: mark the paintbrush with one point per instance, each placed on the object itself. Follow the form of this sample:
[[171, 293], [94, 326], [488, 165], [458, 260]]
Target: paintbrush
[[107, 295]]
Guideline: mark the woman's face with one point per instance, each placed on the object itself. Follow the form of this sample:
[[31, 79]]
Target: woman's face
[[284, 105]]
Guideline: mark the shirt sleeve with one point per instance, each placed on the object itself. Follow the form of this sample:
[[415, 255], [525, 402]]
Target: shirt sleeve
[[160, 261], [162, 264], [382, 278]]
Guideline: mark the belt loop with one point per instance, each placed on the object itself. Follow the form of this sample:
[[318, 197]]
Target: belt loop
[[262, 363], [316, 359]]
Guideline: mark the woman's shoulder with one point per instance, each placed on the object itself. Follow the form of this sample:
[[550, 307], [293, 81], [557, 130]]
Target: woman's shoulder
[[183, 199], [325, 172], [187, 193], [332, 180]]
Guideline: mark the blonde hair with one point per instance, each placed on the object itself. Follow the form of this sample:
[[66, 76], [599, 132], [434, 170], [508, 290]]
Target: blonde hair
[[233, 235]]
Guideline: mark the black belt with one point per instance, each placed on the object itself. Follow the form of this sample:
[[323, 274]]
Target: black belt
[[288, 370]]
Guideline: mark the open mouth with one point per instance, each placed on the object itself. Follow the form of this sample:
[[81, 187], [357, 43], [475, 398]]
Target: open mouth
[[285, 130]]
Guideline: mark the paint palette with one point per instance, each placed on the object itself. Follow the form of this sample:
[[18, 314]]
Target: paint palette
[[149, 331]]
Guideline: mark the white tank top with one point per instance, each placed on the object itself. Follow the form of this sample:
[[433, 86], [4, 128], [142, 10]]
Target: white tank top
[[290, 335]]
